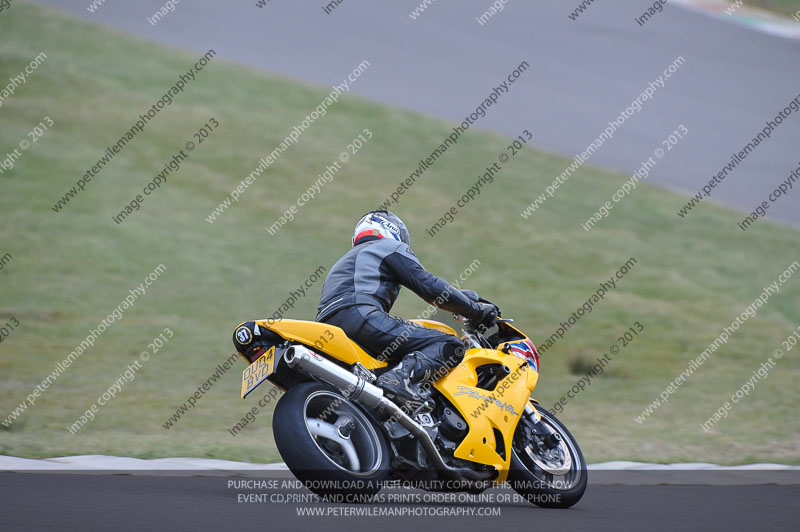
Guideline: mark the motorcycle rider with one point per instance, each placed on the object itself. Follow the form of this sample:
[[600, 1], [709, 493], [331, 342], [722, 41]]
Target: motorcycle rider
[[360, 290]]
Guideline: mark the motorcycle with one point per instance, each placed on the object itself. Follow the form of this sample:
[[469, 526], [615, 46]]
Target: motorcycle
[[477, 427]]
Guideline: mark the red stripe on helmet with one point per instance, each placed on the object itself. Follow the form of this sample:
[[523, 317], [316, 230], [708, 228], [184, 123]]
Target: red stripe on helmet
[[367, 232]]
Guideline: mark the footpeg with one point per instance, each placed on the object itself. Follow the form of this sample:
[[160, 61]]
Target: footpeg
[[425, 408], [360, 371]]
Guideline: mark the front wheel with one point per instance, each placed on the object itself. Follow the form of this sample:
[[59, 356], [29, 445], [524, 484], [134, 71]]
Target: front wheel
[[329, 444], [548, 470]]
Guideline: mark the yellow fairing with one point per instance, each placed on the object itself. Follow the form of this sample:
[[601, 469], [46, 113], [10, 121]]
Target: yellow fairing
[[324, 337], [439, 326], [334, 341], [485, 410]]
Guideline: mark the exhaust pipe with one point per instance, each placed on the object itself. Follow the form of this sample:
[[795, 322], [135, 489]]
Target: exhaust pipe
[[359, 390], [353, 387]]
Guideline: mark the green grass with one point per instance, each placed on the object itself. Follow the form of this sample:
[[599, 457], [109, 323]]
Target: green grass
[[71, 269]]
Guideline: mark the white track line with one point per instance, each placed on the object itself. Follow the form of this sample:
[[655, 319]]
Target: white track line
[[753, 18], [121, 463]]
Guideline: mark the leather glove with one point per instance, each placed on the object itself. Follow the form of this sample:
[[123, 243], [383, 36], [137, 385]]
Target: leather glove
[[485, 314], [472, 295]]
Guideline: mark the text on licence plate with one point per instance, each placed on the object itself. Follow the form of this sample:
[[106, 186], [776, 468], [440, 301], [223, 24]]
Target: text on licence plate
[[256, 372]]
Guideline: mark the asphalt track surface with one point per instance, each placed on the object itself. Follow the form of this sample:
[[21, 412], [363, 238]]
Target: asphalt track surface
[[50, 502], [584, 74]]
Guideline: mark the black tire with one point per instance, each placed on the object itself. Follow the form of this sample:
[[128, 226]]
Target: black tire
[[538, 485], [342, 468]]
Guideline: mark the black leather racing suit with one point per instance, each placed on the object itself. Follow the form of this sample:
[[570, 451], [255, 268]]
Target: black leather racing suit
[[361, 288]]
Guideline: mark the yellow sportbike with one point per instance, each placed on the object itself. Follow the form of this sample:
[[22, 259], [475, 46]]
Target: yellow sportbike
[[478, 426]]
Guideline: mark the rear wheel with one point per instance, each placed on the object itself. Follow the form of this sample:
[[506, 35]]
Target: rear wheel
[[329, 443], [548, 471]]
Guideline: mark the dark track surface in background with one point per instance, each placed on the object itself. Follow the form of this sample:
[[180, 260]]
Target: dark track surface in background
[[584, 74], [49, 502]]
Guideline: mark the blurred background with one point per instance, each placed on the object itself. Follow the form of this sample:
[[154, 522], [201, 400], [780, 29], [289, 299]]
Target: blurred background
[[429, 66]]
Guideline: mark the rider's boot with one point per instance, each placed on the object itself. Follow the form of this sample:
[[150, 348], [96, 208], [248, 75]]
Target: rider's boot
[[402, 383]]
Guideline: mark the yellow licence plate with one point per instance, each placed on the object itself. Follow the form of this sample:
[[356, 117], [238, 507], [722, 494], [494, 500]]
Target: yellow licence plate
[[255, 373]]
